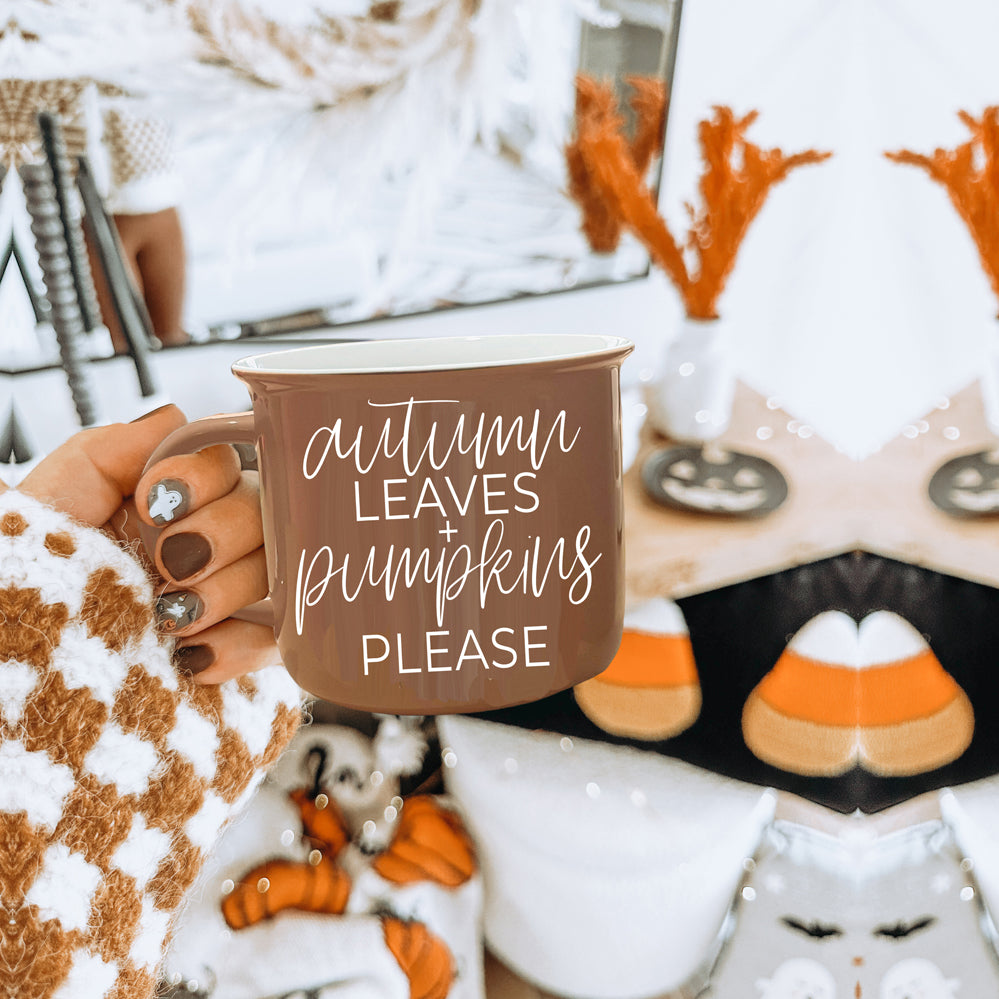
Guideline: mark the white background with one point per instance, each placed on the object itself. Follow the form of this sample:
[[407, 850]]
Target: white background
[[858, 296], [857, 299]]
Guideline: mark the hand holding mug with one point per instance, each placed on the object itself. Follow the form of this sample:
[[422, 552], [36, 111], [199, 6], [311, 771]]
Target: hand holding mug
[[215, 552], [442, 519]]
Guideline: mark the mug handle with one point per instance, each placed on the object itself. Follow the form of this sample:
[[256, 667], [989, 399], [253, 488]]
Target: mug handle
[[226, 428]]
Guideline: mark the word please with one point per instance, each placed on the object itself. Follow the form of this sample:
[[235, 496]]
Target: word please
[[442, 647]]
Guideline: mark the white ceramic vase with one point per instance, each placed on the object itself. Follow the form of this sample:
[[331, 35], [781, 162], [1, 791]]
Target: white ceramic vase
[[990, 382], [691, 397]]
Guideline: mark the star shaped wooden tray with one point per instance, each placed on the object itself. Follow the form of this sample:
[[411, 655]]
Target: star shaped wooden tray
[[879, 505]]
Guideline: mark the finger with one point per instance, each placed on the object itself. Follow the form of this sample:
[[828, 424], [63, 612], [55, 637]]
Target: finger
[[175, 487], [215, 536], [191, 610], [227, 650], [123, 527], [89, 475], [123, 524]]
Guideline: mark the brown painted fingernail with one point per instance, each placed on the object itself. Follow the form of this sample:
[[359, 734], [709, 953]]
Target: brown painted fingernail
[[175, 611], [168, 500], [193, 659], [152, 412], [183, 555]]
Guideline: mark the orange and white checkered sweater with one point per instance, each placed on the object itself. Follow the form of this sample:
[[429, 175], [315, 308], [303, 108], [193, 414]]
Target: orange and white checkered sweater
[[117, 774]]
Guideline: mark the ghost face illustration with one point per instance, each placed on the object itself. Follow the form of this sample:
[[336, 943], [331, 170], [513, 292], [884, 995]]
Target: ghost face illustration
[[798, 978], [178, 610], [917, 978], [167, 500]]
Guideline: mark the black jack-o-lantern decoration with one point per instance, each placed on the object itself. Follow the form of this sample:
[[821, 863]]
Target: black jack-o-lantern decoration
[[712, 480], [967, 486]]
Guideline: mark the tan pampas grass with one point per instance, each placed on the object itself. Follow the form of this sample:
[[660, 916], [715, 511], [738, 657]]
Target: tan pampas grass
[[734, 185], [970, 176], [335, 59], [595, 103]]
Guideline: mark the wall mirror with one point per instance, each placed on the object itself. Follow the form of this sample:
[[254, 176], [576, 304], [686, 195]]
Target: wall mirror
[[333, 160]]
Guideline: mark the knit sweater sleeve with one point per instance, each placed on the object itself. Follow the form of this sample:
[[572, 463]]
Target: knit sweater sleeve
[[117, 773], [144, 175]]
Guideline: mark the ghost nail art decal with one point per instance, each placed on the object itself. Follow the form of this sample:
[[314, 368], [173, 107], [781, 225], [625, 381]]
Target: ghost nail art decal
[[175, 611], [167, 500]]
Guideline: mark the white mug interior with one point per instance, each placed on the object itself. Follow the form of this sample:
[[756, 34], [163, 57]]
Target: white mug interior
[[433, 354]]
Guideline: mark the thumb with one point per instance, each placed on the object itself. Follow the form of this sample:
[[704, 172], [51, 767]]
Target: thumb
[[90, 475]]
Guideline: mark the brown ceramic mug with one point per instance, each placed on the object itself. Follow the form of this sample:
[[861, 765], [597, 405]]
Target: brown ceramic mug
[[442, 517]]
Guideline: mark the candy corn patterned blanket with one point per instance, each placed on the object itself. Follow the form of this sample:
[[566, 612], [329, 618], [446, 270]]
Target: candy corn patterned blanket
[[116, 773]]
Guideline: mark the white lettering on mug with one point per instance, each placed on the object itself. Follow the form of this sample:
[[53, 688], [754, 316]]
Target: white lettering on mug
[[526, 492], [432, 651], [483, 491], [391, 498], [357, 504], [424, 504], [448, 651], [528, 644], [497, 644], [367, 657], [540, 566], [485, 442], [460, 569], [488, 494]]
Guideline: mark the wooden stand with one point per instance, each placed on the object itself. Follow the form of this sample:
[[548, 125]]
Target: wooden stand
[[879, 505]]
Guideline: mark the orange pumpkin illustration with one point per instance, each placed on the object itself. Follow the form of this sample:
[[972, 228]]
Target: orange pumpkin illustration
[[322, 821], [424, 958], [286, 884], [430, 844], [315, 885]]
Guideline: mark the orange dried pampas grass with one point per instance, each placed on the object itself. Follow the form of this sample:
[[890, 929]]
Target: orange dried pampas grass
[[970, 175], [594, 104], [735, 182]]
